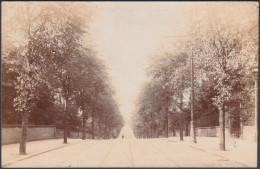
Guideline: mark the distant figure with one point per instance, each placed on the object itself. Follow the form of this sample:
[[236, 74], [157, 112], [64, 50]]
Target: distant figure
[[126, 133]]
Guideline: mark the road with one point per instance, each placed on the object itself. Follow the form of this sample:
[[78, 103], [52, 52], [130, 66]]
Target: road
[[127, 152]]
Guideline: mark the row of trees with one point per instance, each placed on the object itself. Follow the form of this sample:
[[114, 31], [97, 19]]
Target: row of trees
[[223, 50], [51, 74]]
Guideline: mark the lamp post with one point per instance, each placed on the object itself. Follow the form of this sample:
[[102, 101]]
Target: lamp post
[[255, 72], [192, 133]]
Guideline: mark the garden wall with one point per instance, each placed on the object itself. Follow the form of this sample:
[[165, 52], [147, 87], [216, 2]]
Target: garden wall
[[12, 133]]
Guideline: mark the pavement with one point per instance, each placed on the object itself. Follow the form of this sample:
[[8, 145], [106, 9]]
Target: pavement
[[10, 153], [131, 152], [237, 150]]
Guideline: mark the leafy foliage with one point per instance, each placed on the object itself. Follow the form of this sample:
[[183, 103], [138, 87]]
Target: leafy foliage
[[52, 69], [224, 50]]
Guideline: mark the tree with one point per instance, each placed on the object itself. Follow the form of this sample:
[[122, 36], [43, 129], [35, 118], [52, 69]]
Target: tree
[[219, 47], [163, 94], [45, 35], [9, 76], [28, 65], [66, 52]]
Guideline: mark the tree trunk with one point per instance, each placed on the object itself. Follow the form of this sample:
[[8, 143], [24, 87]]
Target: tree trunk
[[147, 132], [68, 129], [99, 130], [110, 132], [181, 126], [186, 128], [65, 130], [222, 128], [166, 125], [181, 114], [83, 127], [65, 124], [99, 127], [173, 131], [241, 128], [92, 125], [106, 129], [93, 112], [22, 148], [151, 128]]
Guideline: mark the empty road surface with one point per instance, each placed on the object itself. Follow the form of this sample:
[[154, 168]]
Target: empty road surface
[[127, 152]]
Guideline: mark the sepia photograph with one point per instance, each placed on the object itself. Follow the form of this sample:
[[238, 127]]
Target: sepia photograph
[[107, 84]]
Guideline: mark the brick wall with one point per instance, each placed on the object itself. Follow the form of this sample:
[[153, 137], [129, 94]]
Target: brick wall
[[12, 133], [211, 131], [73, 134], [177, 133], [59, 133]]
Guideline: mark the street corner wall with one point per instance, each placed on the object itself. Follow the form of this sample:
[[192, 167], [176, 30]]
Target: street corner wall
[[12, 133]]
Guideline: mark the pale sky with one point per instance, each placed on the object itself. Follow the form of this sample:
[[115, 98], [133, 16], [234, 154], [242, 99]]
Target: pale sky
[[126, 34]]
